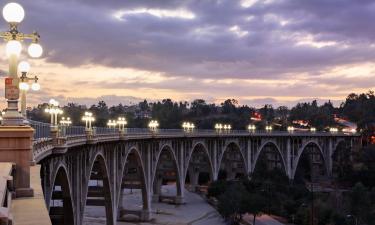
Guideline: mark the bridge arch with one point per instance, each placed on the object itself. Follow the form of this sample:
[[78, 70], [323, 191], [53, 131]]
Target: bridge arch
[[144, 187], [168, 151], [278, 150], [302, 150], [199, 146], [337, 144], [236, 147], [61, 214], [98, 170]]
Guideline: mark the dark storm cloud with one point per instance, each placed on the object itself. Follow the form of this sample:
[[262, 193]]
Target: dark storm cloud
[[77, 32]]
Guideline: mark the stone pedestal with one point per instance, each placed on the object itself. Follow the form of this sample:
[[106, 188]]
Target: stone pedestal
[[16, 147]]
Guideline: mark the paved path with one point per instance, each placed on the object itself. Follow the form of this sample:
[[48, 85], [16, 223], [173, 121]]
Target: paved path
[[262, 220], [31, 211], [196, 211]]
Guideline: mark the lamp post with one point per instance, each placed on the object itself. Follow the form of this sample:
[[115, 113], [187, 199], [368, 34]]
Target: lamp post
[[218, 127], [290, 129], [54, 110], [65, 122], [13, 13], [269, 128], [24, 68], [227, 127], [333, 130], [88, 118], [251, 128], [312, 129], [111, 124], [121, 121], [153, 125], [187, 126]]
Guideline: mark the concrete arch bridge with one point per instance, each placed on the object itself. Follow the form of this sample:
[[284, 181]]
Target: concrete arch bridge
[[81, 169]]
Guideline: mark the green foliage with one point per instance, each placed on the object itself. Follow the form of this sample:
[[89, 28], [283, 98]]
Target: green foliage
[[318, 116], [231, 202], [359, 201], [217, 188]]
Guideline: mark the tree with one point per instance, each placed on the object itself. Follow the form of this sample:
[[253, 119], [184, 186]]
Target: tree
[[254, 204], [231, 203], [359, 201], [217, 188]]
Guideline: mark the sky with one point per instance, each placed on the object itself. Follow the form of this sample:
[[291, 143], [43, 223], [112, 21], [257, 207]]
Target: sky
[[256, 51]]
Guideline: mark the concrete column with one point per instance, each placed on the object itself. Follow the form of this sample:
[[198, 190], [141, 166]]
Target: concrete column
[[248, 156], [328, 158], [193, 175], [288, 165], [214, 162], [157, 188], [16, 147]]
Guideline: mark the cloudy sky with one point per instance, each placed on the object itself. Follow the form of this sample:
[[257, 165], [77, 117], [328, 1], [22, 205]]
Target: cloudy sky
[[256, 51]]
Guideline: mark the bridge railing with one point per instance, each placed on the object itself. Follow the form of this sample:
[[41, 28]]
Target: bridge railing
[[72, 130], [42, 130]]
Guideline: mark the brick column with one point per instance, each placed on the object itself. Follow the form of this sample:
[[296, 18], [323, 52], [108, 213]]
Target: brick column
[[16, 147]]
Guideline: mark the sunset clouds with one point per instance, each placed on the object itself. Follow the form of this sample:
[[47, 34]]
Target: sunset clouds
[[257, 51]]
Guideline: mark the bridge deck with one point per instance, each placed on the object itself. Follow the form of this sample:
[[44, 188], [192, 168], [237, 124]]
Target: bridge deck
[[31, 211]]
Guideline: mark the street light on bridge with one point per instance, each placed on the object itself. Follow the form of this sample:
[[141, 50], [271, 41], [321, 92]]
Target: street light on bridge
[[54, 110], [333, 130], [219, 127], [269, 128], [111, 124], [290, 129], [187, 126], [13, 13], [251, 127], [312, 129], [121, 121], [65, 121], [24, 68], [153, 125], [88, 118]]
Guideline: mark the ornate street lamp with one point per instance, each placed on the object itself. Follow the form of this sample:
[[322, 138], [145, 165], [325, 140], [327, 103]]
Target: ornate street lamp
[[333, 130], [54, 110], [24, 68], [121, 121], [218, 127], [227, 127], [111, 124], [251, 128], [312, 129], [269, 128], [88, 118], [187, 126], [290, 129], [66, 122], [153, 125], [13, 13]]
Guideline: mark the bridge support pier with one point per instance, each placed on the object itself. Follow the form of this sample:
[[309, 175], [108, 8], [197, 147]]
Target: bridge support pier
[[15, 147]]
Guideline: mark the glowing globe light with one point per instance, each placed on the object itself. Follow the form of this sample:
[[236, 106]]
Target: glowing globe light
[[35, 50], [35, 86], [24, 86], [13, 48], [13, 13], [24, 67]]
